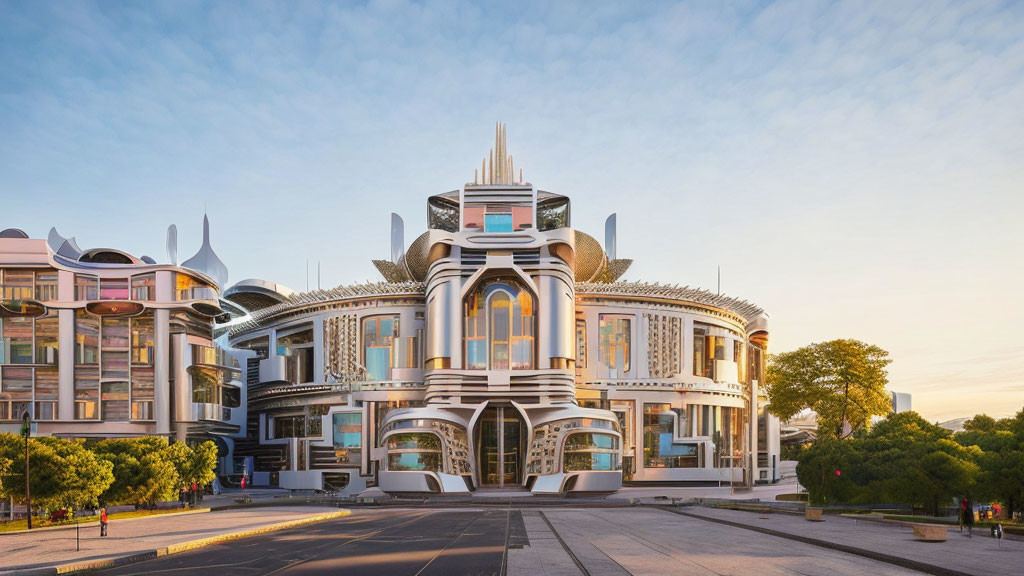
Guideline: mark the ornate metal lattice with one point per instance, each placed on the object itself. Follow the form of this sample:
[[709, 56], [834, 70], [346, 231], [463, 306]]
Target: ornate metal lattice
[[341, 347], [664, 342]]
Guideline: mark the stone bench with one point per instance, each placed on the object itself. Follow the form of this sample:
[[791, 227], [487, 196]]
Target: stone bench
[[813, 514], [930, 532]]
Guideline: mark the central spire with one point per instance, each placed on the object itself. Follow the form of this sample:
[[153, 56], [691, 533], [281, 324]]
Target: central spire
[[498, 167]]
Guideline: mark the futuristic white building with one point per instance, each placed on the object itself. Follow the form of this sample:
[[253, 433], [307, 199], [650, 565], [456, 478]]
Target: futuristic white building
[[501, 350]]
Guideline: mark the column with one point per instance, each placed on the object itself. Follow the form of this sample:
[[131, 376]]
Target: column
[[161, 371], [66, 365]]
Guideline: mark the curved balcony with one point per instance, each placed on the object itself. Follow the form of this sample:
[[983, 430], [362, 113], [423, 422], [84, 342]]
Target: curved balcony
[[115, 308], [21, 308]]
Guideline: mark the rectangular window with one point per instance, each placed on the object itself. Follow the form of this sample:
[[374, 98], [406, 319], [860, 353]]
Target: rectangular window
[[47, 332], [87, 338], [144, 287], [86, 287], [581, 344], [737, 356], [379, 335], [115, 333], [16, 340], [114, 289], [298, 348], [46, 394], [142, 340], [87, 392], [614, 349], [700, 332], [114, 401], [348, 436], [46, 286], [755, 365], [289, 426], [661, 423], [17, 285], [142, 393]]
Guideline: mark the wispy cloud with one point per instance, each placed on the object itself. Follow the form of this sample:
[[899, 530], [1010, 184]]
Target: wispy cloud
[[853, 167]]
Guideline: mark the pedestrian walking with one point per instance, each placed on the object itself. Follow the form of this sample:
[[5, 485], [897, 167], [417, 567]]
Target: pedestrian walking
[[103, 522], [967, 509]]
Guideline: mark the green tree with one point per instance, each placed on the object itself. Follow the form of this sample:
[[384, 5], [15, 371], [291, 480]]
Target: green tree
[[1002, 460], [81, 475], [841, 380], [142, 473], [5, 467], [45, 473], [193, 465], [902, 459], [816, 469]]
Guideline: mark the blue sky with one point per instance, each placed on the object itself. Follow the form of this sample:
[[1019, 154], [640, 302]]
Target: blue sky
[[854, 168]]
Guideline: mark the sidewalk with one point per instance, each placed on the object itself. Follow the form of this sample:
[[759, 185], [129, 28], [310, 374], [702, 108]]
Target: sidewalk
[[56, 547], [981, 555]]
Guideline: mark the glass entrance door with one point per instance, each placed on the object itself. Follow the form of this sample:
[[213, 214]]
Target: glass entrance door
[[499, 441]]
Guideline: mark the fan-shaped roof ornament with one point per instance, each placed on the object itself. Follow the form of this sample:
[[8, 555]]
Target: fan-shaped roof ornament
[[206, 260], [67, 248]]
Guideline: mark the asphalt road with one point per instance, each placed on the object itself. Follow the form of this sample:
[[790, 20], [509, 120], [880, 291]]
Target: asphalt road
[[380, 541]]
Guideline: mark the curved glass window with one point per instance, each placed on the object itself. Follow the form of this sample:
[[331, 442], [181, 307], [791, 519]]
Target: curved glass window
[[499, 327], [590, 451], [414, 451]]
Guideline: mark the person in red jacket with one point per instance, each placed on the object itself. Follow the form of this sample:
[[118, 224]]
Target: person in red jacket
[[103, 522]]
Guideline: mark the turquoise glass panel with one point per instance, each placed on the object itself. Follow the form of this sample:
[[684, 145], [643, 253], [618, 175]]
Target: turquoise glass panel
[[497, 222], [378, 362]]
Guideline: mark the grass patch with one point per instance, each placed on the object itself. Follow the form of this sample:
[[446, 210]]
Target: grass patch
[[37, 523], [801, 497]]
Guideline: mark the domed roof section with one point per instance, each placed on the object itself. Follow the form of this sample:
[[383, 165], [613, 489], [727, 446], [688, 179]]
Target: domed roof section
[[206, 260], [13, 233], [255, 294]]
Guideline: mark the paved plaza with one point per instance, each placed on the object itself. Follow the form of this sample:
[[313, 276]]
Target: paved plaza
[[556, 541]]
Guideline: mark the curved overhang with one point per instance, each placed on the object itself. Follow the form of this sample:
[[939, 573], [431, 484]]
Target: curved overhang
[[115, 308], [210, 309], [255, 294], [21, 308]]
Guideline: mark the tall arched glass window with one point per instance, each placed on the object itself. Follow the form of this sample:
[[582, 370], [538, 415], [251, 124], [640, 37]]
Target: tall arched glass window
[[499, 327]]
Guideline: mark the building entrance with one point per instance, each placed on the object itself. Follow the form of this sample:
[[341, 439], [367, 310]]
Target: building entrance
[[499, 439]]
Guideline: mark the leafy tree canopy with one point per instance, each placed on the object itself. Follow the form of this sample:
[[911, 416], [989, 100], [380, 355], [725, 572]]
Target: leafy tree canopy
[[142, 473], [841, 380]]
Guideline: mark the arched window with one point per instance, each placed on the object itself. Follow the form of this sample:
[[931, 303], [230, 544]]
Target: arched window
[[499, 326]]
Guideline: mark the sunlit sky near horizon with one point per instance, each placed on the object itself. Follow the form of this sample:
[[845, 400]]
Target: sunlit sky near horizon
[[856, 169]]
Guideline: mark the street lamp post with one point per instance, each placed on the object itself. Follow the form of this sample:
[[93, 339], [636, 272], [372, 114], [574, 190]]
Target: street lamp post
[[26, 430]]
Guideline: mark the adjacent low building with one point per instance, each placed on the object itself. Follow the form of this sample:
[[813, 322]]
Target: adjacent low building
[[99, 343]]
